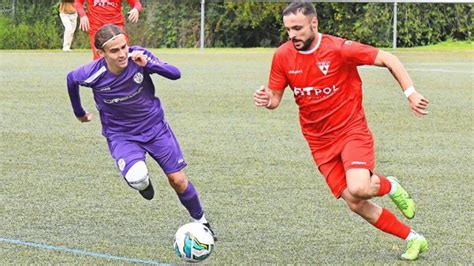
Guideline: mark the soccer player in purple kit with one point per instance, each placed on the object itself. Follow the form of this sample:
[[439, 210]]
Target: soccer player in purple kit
[[132, 116]]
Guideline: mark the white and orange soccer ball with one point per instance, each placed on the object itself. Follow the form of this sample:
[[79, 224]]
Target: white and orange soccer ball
[[193, 242]]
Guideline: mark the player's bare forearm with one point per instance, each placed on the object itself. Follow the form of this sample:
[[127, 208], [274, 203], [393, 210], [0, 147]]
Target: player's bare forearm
[[393, 64], [276, 97], [418, 103]]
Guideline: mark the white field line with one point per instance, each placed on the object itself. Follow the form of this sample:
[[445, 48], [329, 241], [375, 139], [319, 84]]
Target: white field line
[[424, 69], [78, 251]]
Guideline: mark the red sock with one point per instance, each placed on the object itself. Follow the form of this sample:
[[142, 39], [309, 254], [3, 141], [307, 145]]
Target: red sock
[[385, 186], [389, 223]]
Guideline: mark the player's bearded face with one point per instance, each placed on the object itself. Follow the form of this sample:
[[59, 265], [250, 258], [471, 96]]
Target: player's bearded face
[[301, 30], [304, 45]]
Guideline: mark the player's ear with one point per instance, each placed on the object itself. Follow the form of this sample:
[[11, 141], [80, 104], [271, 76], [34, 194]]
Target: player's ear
[[314, 23], [101, 52]]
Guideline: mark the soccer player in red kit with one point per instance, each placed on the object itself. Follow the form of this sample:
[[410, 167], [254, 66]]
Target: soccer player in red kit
[[321, 70], [101, 12]]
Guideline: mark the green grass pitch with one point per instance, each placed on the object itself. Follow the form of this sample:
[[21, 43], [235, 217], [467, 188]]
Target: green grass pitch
[[252, 167]]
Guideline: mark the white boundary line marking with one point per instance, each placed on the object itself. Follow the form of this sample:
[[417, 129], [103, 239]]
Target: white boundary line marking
[[440, 70], [78, 251], [441, 64], [421, 69]]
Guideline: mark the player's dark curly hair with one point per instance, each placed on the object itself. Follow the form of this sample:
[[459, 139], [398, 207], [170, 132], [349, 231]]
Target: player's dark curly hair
[[302, 6], [105, 33]]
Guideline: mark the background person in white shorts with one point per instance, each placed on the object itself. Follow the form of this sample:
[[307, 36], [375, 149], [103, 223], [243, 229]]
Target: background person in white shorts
[[68, 15]]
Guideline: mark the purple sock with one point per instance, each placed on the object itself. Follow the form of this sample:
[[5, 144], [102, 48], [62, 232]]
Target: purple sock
[[190, 200]]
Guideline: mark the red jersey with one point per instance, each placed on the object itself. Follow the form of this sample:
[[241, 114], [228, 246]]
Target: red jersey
[[101, 12], [325, 83]]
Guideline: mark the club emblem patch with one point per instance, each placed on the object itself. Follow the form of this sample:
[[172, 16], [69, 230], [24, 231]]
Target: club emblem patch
[[324, 66], [138, 78]]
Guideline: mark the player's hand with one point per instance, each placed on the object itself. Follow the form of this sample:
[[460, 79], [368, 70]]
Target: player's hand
[[139, 58], [262, 97], [84, 24], [85, 118], [418, 104], [133, 15]]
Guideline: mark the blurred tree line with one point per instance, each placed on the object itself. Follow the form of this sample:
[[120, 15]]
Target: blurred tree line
[[35, 24]]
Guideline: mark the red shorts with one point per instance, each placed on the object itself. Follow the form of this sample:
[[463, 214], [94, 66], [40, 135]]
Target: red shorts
[[352, 150]]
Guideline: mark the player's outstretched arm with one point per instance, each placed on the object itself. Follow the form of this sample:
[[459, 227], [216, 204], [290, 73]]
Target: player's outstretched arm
[[418, 103], [265, 97]]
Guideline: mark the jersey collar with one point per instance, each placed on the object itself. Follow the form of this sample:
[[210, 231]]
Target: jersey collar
[[315, 47]]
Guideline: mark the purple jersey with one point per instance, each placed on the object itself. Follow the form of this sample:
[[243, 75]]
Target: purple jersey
[[126, 102]]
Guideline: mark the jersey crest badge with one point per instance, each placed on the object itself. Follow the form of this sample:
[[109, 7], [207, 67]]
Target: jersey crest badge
[[138, 78], [324, 66]]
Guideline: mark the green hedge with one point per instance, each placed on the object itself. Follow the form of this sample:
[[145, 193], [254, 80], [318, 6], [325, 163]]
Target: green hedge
[[36, 24]]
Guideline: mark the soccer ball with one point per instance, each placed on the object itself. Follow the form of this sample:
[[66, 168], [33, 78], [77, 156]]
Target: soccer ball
[[193, 242]]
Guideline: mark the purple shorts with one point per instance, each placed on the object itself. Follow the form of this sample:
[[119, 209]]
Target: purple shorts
[[159, 142]]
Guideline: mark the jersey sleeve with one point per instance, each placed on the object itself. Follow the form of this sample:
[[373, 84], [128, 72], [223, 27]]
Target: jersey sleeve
[[277, 80], [79, 5], [358, 53], [74, 79], [155, 65], [135, 4]]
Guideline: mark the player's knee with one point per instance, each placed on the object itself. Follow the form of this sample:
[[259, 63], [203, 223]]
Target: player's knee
[[359, 191], [137, 176], [177, 180]]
